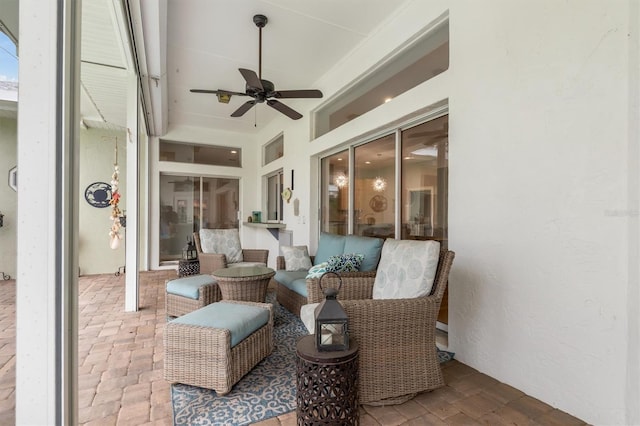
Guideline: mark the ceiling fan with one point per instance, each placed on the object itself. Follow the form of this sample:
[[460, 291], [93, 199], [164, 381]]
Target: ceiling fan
[[262, 90]]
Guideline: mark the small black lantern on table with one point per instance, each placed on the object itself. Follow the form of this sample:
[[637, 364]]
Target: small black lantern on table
[[189, 264], [332, 323], [189, 251]]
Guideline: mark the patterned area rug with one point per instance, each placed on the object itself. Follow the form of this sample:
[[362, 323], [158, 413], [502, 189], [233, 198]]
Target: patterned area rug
[[269, 390]]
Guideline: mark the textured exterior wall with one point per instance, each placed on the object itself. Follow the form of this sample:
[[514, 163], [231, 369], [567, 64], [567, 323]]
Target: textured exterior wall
[[539, 184], [539, 119], [96, 165]]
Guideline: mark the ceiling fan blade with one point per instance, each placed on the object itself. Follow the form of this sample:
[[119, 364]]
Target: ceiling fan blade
[[291, 113], [251, 78], [218, 92], [243, 108], [284, 94]]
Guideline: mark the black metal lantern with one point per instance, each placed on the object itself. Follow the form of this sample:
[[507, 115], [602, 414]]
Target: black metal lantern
[[189, 251], [332, 323], [1, 220]]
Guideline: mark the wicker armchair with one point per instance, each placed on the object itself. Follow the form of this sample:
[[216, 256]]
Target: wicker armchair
[[210, 262], [398, 356]]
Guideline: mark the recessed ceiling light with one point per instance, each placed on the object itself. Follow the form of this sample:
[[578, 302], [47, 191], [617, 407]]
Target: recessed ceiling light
[[339, 159], [408, 158], [234, 151], [387, 100], [367, 162]]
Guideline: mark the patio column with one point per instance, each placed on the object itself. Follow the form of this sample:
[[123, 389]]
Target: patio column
[[46, 284], [132, 285]]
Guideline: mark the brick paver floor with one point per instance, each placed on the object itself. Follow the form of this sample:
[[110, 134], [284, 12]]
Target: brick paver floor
[[120, 359]]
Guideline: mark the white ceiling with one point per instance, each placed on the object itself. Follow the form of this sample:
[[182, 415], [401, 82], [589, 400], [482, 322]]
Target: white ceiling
[[208, 40]]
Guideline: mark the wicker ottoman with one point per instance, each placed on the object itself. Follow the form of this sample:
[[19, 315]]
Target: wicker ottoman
[[215, 346], [187, 294]]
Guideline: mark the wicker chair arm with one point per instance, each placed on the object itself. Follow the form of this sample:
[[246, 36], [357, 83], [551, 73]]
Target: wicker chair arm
[[355, 286], [255, 255], [393, 319], [210, 262]]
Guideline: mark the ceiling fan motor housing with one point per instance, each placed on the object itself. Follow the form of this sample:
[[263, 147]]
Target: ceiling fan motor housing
[[260, 20], [261, 95]]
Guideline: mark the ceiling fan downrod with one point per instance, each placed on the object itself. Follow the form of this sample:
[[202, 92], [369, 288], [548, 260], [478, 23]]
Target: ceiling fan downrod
[[260, 21]]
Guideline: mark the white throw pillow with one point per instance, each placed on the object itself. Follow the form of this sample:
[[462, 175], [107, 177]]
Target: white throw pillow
[[296, 258], [222, 241], [406, 269]]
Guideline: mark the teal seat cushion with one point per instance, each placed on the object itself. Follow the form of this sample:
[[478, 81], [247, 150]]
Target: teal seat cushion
[[240, 320], [293, 280], [368, 246], [329, 245], [189, 286]]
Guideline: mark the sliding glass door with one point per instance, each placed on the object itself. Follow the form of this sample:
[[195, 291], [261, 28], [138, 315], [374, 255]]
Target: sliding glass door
[[188, 203], [361, 183]]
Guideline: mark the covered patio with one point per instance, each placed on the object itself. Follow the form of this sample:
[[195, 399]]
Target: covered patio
[[120, 361]]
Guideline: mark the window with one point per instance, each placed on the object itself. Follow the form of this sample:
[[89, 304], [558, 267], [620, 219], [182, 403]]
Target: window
[[273, 150], [417, 63], [200, 154], [275, 186], [188, 203]]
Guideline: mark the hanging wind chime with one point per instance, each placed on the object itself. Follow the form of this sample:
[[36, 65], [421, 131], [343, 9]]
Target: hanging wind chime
[[114, 233]]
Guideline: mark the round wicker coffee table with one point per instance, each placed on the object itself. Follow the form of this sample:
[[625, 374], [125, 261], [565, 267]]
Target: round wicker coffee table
[[245, 283]]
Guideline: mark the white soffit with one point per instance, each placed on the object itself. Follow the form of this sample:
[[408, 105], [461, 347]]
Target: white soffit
[[104, 67]]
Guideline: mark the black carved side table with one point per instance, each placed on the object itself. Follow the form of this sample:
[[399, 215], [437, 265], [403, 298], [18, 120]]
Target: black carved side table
[[188, 267], [327, 385]]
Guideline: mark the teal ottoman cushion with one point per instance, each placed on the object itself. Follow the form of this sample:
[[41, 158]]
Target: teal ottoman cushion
[[240, 320], [189, 286]]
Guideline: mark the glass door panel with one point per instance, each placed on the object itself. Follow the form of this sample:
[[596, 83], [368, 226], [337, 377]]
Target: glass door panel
[[374, 188], [425, 172], [189, 202], [176, 214], [335, 193]]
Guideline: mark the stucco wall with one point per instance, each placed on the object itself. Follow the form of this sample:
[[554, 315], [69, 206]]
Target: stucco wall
[[538, 147], [8, 197], [538, 140], [96, 165]]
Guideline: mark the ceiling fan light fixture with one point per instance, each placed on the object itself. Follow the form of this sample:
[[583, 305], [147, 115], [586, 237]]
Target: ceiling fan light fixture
[[223, 98]]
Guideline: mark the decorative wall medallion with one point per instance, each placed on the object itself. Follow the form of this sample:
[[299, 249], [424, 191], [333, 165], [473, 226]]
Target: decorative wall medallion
[[98, 194], [286, 194], [378, 203]]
